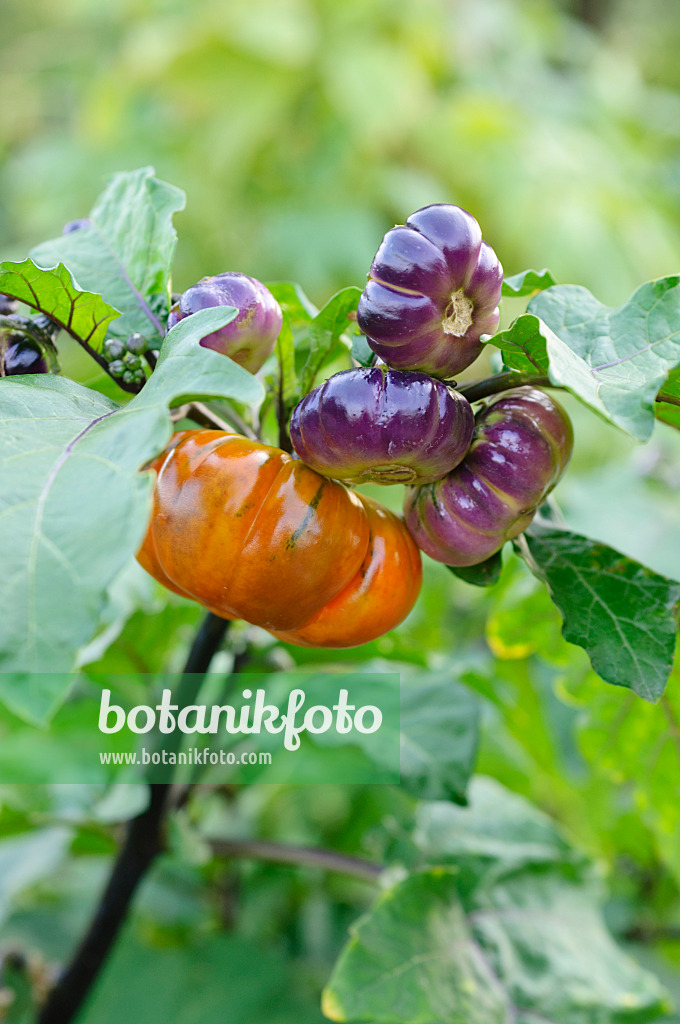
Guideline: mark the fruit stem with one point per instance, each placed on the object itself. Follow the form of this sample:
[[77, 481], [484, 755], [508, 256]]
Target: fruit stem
[[205, 417], [478, 389]]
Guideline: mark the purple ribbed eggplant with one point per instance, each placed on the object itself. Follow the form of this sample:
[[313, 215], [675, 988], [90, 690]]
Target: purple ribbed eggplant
[[433, 290], [22, 355], [251, 336], [522, 445], [375, 425]]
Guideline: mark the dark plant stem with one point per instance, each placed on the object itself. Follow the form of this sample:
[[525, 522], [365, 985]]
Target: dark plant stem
[[282, 410], [144, 841], [282, 417], [668, 399], [478, 389], [298, 856], [207, 643]]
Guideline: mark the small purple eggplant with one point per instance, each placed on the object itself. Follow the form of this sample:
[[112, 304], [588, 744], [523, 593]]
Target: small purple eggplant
[[22, 355], [381, 426], [522, 444], [251, 336], [433, 291]]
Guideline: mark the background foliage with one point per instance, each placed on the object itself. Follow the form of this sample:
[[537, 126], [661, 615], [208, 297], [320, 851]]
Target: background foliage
[[302, 130]]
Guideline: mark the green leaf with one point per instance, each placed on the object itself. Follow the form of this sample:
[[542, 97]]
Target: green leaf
[[17, 989], [527, 282], [288, 384], [508, 931], [126, 252], [35, 697], [439, 736], [362, 352], [624, 615], [210, 979], [484, 574], [73, 501], [26, 858], [325, 330], [53, 292], [634, 748], [299, 308], [614, 360], [497, 833], [524, 345], [412, 959]]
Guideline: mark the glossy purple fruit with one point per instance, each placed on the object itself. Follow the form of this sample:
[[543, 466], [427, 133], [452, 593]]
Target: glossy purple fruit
[[251, 336], [22, 356], [433, 290], [382, 426], [522, 444]]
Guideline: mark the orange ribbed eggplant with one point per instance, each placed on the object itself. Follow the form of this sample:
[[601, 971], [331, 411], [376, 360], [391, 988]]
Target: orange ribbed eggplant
[[380, 595], [251, 532]]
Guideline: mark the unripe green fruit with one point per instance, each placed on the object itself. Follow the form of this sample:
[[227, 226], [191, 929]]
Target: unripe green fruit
[[133, 377], [113, 349], [137, 344]]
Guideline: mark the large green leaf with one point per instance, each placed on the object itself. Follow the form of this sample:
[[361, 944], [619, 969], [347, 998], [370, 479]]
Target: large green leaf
[[439, 735], [83, 314], [507, 930], [624, 615], [73, 504], [498, 833], [615, 360], [212, 979], [125, 252], [413, 959]]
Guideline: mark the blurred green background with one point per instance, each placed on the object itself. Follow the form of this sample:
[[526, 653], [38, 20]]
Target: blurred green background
[[301, 130]]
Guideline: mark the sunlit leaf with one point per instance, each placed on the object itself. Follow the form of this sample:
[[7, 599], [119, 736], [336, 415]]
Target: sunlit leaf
[[124, 251]]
